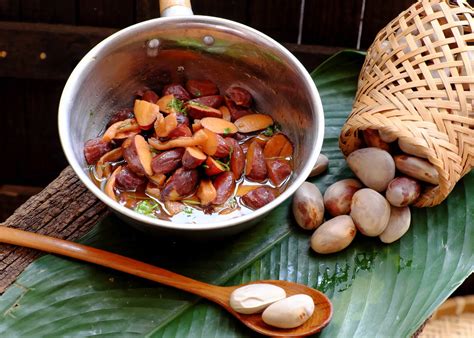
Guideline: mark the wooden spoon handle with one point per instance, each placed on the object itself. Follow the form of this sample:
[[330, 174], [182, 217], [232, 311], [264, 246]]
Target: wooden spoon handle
[[113, 261]]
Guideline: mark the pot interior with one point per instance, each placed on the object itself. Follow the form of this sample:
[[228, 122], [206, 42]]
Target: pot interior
[[154, 53]]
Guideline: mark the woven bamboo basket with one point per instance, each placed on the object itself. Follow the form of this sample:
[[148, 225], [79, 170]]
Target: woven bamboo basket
[[417, 84], [454, 318]]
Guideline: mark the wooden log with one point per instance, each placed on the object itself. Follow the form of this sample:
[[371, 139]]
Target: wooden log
[[64, 209]]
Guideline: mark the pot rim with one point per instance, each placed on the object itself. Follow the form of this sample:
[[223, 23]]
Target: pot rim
[[71, 86]]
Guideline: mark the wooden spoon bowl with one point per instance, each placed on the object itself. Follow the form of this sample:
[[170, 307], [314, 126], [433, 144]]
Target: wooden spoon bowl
[[218, 294], [318, 321]]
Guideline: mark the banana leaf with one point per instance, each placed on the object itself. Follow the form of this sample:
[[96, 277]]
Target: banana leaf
[[376, 289]]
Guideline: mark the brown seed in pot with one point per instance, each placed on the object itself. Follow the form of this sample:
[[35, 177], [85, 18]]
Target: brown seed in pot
[[214, 101], [338, 196], [255, 168], [180, 185], [417, 168], [177, 91], [150, 96], [258, 197], [127, 180], [372, 139], [168, 161], [215, 145], [398, 224], [236, 111], [370, 212], [193, 157], [199, 88], [333, 235], [198, 111], [223, 148], [403, 191], [278, 146], [240, 96], [308, 206], [138, 155], [278, 170], [120, 115], [96, 148], [321, 165], [373, 166], [180, 131], [237, 157], [225, 185]]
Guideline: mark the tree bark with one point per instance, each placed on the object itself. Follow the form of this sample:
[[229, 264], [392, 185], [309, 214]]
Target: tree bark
[[64, 209]]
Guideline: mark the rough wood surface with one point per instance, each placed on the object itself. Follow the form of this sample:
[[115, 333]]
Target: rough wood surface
[[64, 209]]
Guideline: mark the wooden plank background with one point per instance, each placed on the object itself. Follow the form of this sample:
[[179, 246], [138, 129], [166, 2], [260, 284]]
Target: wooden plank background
[[65, 30]]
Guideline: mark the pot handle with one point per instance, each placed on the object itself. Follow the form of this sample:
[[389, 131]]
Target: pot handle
[[175, 8]]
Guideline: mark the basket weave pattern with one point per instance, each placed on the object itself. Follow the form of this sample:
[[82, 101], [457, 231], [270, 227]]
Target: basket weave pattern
[[417, 83]]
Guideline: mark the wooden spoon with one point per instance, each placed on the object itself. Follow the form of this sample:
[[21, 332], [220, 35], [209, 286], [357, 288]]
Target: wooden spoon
[[218, 294]]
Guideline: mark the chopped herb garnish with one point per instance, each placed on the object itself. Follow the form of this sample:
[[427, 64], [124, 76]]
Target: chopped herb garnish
[[177, 105], [146, 207], [273, 129], [226, 131], [197, 93], [268, 131], [188, 210], [91, 113], [205, 166], [225, 165]]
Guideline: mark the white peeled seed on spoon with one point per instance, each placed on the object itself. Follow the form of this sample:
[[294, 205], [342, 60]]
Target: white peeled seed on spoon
[[254, 298], [289, 312]]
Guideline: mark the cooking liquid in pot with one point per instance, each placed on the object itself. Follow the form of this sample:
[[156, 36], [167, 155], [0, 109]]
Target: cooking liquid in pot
[[192, 212]]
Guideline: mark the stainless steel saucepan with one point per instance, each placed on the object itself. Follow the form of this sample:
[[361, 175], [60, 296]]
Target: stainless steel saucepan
[[181, 44]]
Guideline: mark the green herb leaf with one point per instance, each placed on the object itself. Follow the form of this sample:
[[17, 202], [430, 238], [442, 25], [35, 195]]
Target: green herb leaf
[[146, 207], [273, 129], [177, 105], [188, 210], [226, 131], [268, 131]]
